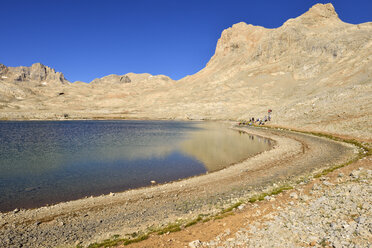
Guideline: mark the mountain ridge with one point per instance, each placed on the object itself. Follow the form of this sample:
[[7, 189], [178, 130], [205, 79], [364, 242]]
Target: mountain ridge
[[313, 71]]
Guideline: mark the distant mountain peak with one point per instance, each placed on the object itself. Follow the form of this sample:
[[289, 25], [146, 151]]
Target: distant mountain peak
[[318, 14], [322, 10], [36, 72]]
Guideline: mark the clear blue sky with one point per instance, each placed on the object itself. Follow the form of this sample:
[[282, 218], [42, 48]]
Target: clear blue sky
[[86, 39]]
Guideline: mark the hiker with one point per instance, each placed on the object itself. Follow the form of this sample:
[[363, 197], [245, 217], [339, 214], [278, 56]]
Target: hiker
[[269, 113]]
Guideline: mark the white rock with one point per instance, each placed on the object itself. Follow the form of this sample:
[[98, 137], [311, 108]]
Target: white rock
[[293, 195], [241, 207], [195, 244]]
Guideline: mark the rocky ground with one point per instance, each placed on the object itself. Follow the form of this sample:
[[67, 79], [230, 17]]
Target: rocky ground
[[327, 215], [330, 211]]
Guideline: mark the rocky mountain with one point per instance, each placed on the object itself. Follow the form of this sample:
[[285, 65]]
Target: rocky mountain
[[313, 71], [37, 72], [21, 83]]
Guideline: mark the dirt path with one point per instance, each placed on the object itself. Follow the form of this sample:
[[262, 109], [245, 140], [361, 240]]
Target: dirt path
[[94, 219]]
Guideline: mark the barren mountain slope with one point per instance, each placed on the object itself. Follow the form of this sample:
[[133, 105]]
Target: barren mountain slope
[[313, 71]]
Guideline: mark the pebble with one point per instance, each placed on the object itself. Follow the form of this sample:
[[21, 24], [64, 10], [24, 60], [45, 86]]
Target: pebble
[[312, 243], [326, 183], [195, 244], [304, 197], [241, 207], [355, 174], [360, 220], [293, 195]]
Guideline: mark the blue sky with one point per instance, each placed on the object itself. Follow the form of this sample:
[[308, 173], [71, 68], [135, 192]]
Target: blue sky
[[86, 39]]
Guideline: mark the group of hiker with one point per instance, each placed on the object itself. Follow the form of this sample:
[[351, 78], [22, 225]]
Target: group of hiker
[[259, 121]]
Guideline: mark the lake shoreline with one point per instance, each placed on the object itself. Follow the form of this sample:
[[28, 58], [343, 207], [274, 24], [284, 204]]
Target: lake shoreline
[[139, 209], [48, 162]]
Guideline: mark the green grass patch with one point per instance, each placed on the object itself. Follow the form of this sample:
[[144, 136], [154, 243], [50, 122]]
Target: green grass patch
[[222, 215], [275, 191], [206, 219], [281, 189], [106, 243], [175, 227], [231, 208], [193, 222], [115, 241], [136, 240]]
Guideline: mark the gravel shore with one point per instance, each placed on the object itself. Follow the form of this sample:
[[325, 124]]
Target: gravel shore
[[95, 219], [329, 215]]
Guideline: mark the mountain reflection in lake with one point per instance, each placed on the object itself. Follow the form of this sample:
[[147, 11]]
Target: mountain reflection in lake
[[45, 162], [217, 146]]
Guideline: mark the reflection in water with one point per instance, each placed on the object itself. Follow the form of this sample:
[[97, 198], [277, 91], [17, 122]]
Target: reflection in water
[[48, 162], [216, 146]]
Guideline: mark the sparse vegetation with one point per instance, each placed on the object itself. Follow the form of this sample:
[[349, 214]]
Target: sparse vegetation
[[174, 227], [229, 209], [138, 239], [115, 241], [193, 222], [274, 191]]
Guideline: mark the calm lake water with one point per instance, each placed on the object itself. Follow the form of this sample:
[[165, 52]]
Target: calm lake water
[[45, 162]]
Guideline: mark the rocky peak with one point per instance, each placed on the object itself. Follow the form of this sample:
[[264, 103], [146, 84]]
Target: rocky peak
[[243, 38], [317, 15], [322, 10], [240, 38], [36, 72]]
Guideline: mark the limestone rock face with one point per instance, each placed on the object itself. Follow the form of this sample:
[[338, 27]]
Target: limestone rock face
[[315, 38], [37, 72], [319, 14]]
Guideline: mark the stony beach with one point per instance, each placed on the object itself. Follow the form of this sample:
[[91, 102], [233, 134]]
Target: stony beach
[[329, 214], [89, 220]]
